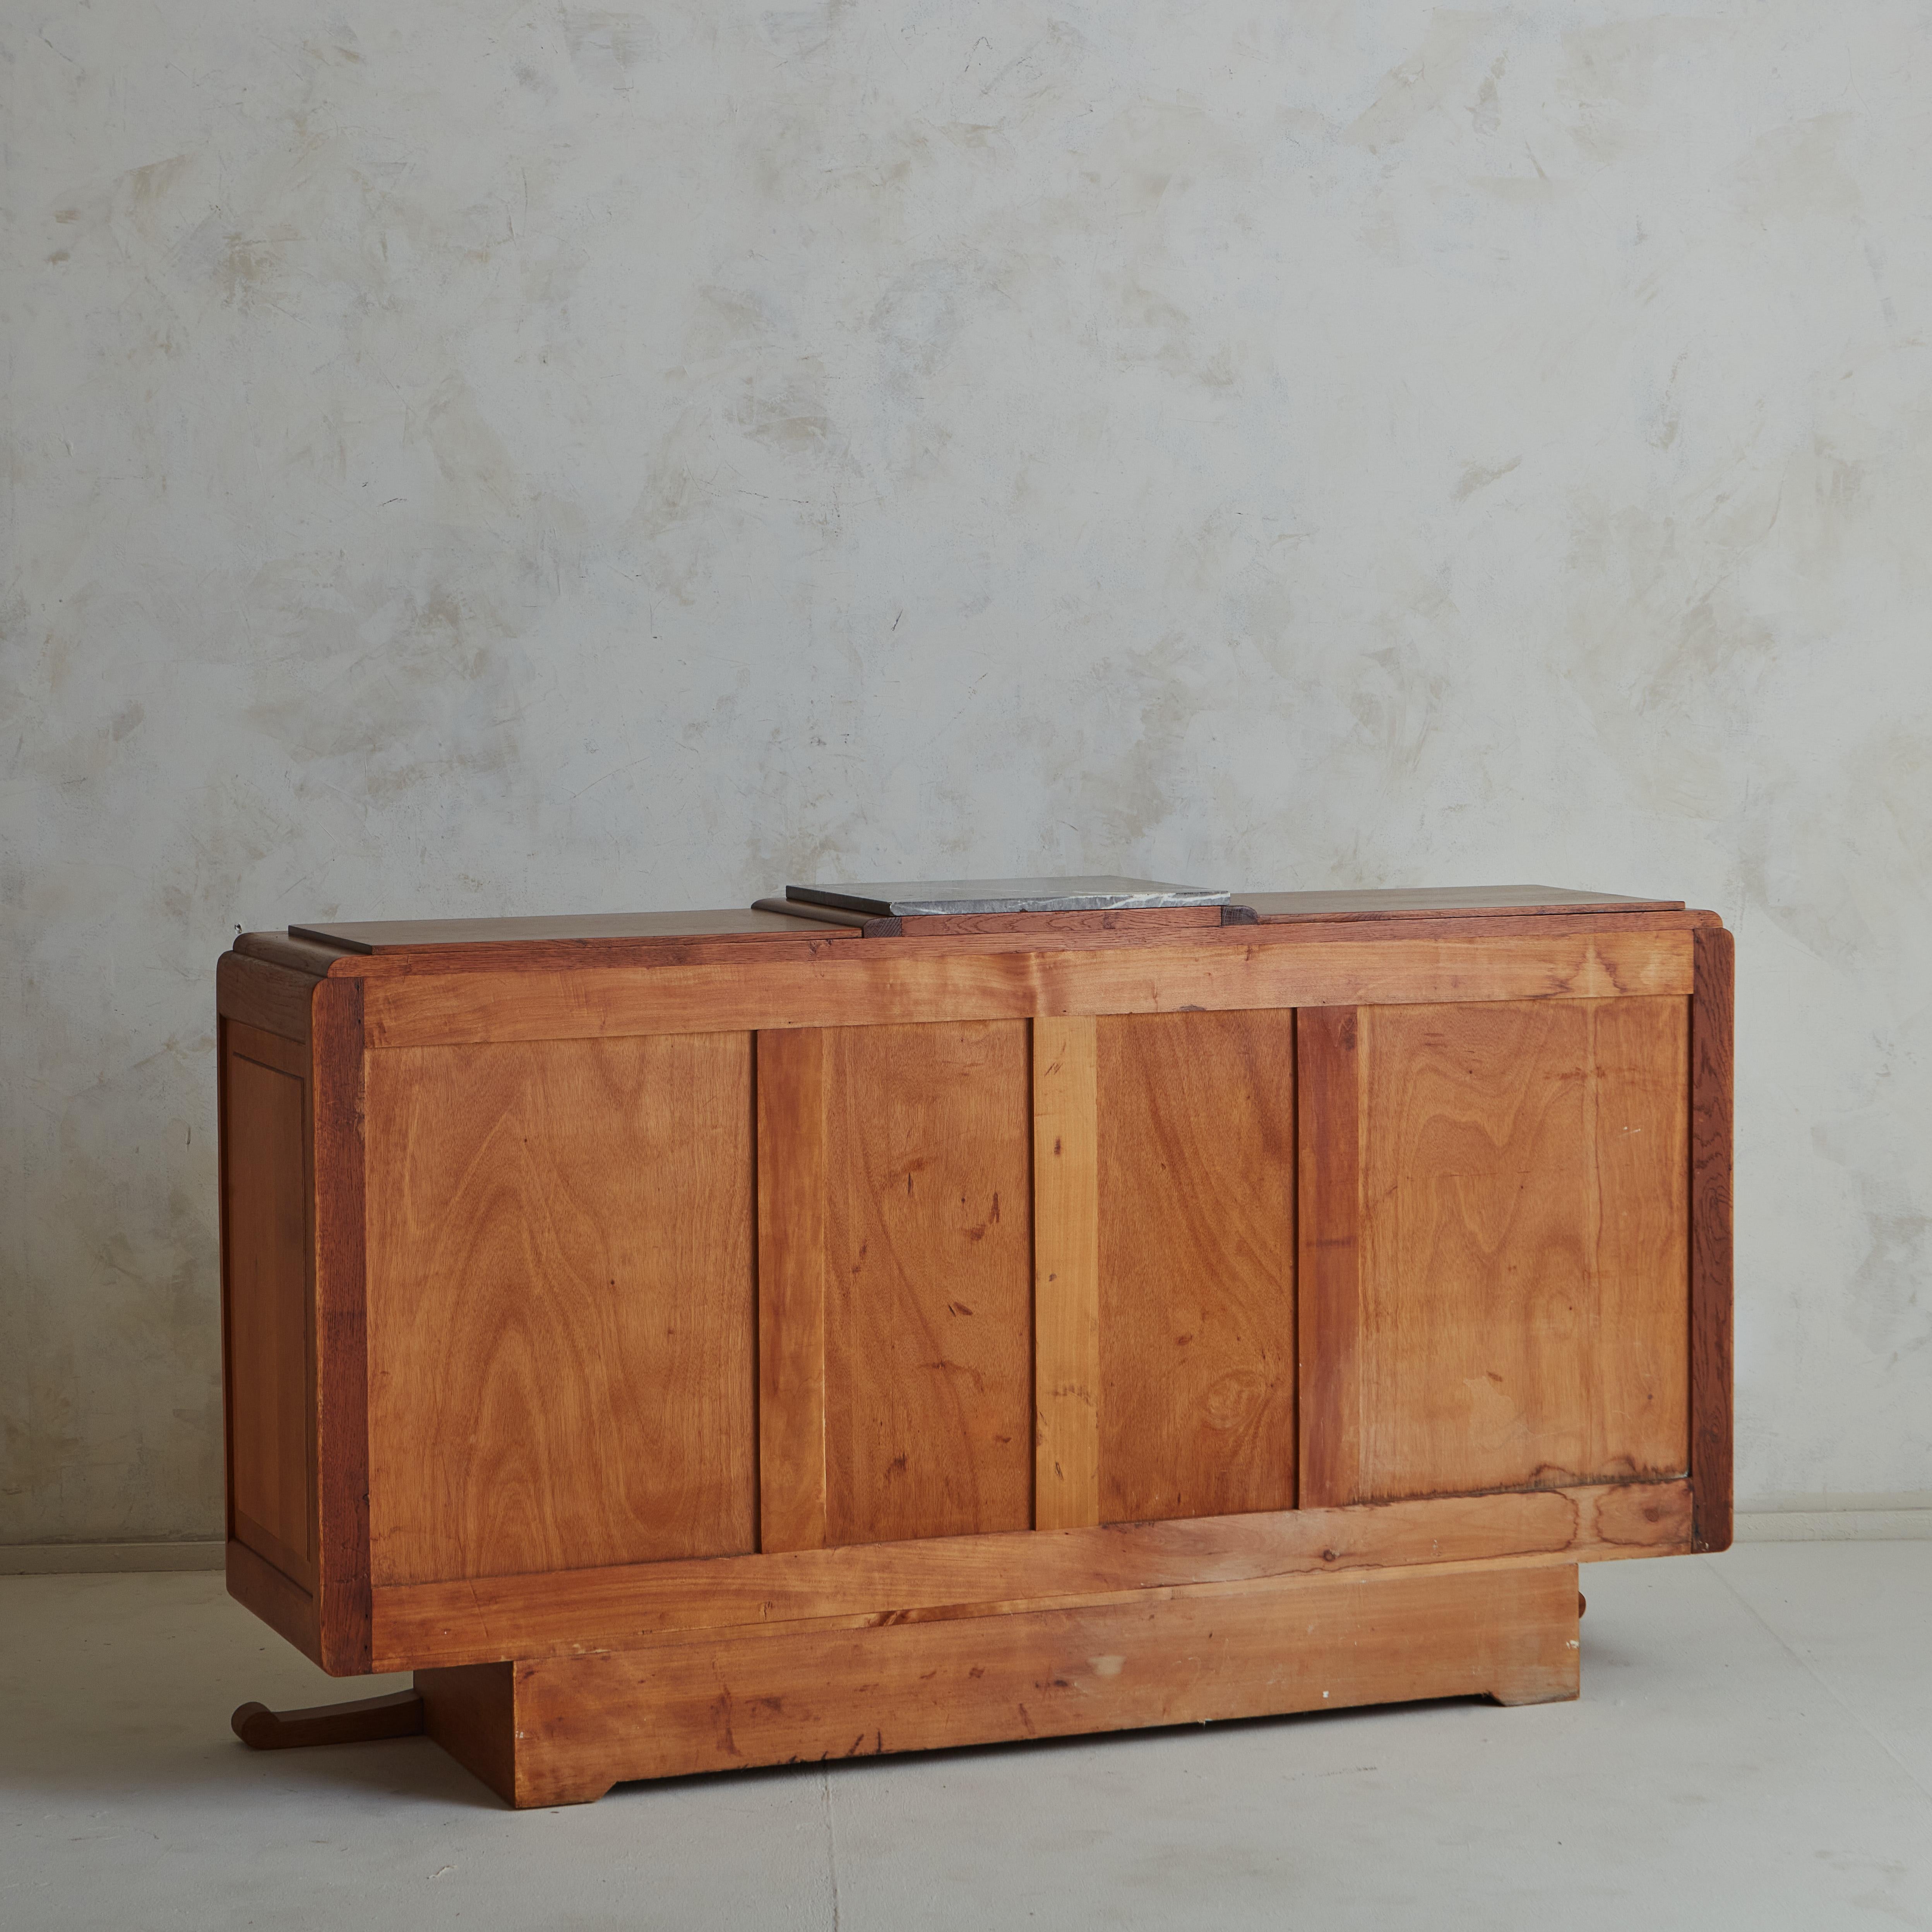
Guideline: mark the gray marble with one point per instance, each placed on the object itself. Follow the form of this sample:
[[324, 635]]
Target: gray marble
[[913, 897]]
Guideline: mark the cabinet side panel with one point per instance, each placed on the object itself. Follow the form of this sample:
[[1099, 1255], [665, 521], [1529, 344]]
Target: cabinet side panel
[[271, 1475], [929, 1321], [1523, 1245], [560, 1305], [1196, 1118], [1710, 1288], [791, 1289]]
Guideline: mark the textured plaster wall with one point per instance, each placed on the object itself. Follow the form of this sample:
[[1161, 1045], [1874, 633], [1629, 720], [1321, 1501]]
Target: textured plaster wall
[[495, 458]]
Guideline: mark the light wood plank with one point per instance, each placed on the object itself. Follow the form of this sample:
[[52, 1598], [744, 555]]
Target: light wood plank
[[1066, 1276], [792, 1188], [937, 1578], [574, 1727], [560, 1305], [845, 984], [1197, 1133]]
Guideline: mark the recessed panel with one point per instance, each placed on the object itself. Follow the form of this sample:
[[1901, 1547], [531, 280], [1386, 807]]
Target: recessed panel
[[271, 1476], [560, 1305], [1197, 1321], [928, 1383], [1523, 1312]]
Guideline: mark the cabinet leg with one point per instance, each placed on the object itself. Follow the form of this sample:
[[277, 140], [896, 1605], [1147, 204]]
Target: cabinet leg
[[472, 1710], [399, 1714], [1517, 1686]]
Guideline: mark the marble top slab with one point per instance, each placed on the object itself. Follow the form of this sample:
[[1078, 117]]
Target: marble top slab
[[913, 897]]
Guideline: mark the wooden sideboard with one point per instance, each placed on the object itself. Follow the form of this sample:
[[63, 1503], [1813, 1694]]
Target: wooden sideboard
[[697, 1340]]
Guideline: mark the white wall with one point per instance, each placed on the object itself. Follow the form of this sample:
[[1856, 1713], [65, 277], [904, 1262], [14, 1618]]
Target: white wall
[[504, 458]]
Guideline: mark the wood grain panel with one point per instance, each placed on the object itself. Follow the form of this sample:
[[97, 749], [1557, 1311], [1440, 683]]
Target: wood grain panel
[[1328, 1285], [578, 1725], [1522, 1316], [1066, 1275], [918, 981], [1197, 1264], [271, 1337], [792, 1192], [929, 1329], [1711, 1114], [560, 1305], [941, 1577]]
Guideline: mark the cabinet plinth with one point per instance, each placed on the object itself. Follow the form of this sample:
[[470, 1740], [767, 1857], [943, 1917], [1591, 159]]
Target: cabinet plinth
[[914, 1336]]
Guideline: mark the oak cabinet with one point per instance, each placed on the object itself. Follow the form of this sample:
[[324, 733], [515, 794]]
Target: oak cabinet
[[706, 1340]]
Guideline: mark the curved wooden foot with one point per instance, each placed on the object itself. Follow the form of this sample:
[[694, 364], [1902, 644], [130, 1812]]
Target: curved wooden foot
[[399, 1714]]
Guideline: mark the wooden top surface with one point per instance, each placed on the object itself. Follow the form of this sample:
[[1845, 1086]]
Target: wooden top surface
[[410, 935], [1440, 902]]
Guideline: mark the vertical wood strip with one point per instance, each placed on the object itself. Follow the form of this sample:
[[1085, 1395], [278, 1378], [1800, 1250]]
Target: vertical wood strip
[[792, 1184], [225, 1238], [1711, 1069], [1066, 1275], [341, 1327], [1327, 1085]]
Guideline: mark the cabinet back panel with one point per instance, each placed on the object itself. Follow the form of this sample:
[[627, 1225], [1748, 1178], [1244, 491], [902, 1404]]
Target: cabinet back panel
[[560, 1305], [1196, 1132], [1524, 1227], [271, 1476], [928, 1295]]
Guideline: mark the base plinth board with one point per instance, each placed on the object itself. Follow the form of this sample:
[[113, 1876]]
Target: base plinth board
[[563, 1730]]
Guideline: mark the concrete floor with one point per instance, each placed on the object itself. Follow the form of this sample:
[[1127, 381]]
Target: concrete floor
[[1752, 1748]]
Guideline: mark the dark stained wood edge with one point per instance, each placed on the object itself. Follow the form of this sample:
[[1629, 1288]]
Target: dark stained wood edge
[[1712, 1057], [342, 1394], [259, 993], [367, 937], [225, 1246], [399, 1713], [283, 1606], [1328, 1215], [470, 1711], [300, 955], [836, 917]]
